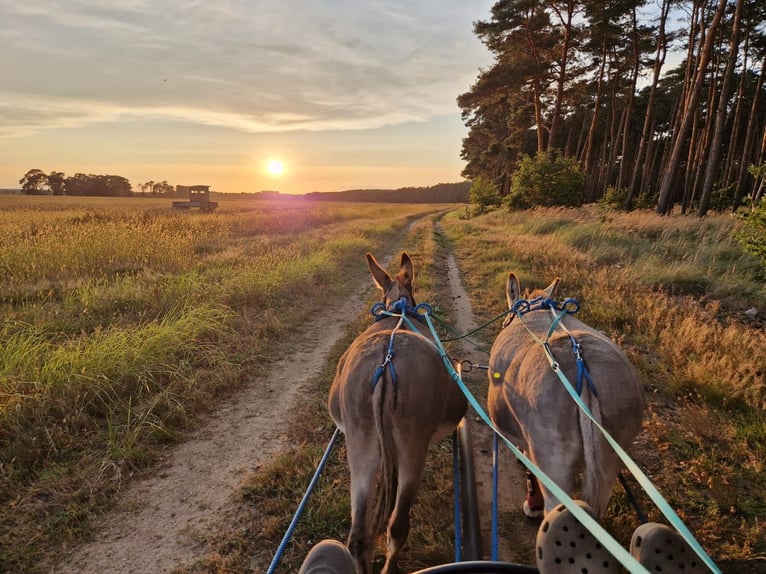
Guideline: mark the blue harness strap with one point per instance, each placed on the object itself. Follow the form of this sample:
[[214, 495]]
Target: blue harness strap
[[405, 311], [388, 361], [582, 368], [566, 307]]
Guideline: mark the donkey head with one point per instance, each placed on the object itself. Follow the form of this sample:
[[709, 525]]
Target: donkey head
[[397, 287], [513, 293]]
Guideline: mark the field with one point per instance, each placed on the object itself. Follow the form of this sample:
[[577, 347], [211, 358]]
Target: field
[[124, 323]]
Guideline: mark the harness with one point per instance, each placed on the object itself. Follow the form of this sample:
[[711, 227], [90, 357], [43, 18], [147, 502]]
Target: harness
[[404, 311], [565, 307]]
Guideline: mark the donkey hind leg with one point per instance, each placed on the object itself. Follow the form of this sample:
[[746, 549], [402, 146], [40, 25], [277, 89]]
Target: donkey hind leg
[[363, 461], [560, 465], [410, 475], [597, 489]]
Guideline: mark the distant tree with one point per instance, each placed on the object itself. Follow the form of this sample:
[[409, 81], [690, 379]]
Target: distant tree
[[78, 184], [98, 185], [57, 183], [113, 186], [147, 187], [163, 188], [157, 188], [34, 182]]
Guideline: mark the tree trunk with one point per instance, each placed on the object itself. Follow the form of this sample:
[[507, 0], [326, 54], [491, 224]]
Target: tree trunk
[[711, 167], [634, 188], [735, 143], [589, 143], [563, 76], [749, 139], [674, 162]]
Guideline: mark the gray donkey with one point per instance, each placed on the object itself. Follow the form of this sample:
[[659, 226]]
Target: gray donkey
[[529, 404], [392, 397]]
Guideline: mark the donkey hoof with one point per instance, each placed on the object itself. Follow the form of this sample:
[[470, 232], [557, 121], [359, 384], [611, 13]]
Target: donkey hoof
[[532, 512]]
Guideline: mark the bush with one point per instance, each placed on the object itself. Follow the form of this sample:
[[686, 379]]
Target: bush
[[548, 179], [752, 236], [483, 195], [614, 198]]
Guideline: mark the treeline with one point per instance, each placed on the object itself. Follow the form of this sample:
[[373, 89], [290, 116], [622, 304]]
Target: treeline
[[37, 182], [439, 193], [589, 80]]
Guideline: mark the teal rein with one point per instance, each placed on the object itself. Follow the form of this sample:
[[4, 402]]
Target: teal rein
[[642, 479]]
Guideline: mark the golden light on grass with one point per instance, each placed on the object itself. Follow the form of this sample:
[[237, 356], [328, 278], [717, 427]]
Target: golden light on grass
[[275, 167]]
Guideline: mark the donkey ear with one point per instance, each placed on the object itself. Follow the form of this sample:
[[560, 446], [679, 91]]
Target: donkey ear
[[408, 268], [379, 275], [512, 289], [550, 289]]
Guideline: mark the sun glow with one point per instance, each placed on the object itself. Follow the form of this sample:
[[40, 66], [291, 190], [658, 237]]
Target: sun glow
[[275, 167]]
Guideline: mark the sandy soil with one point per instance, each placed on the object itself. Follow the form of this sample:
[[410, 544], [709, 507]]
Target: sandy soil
[[155, 522]]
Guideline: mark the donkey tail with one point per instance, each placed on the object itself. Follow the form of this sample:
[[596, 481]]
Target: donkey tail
[[593, 447], [388, 472]]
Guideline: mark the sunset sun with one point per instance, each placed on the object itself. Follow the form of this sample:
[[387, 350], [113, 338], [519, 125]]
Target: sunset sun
[[275, 167]]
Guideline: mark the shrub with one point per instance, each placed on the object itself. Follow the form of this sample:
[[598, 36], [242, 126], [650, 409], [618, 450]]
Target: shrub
[[752, 236], [483, 195], [548, 179]]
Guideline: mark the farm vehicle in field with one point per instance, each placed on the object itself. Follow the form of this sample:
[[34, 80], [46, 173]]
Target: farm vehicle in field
[[199, 197]]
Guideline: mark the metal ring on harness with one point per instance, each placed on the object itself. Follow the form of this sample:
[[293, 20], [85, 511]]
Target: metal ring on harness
[[424, 309], [377, 309]]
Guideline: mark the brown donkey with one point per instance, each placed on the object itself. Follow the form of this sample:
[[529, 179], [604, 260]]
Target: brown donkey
[[528, 403], [392, 397]]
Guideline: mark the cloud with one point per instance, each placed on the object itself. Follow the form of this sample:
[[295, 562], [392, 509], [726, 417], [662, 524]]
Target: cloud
[[246, 65]]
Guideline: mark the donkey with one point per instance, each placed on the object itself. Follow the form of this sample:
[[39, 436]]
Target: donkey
[[528, 403], [392, 397]]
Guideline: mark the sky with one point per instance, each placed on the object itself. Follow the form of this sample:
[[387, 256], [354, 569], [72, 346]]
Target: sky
[[343, 94]]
